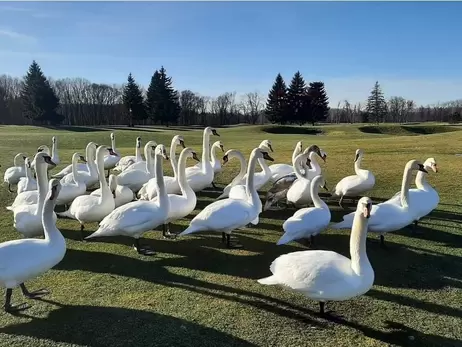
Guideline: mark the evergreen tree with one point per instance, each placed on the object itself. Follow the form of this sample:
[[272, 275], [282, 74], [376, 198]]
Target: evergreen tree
[[319, 102], [376, 105], [38, 98], [298, 101], [133, 101], [162, 100], [276, 104]]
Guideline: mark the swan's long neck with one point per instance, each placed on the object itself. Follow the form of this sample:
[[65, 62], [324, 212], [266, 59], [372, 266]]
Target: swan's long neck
[[296, 152], [113, 144], [28, 172], [90, 154], [214, 155], [51, 232], [315, 164], [249, 184], [147, 154], [138, 152], [185, 188], [161, 191], [54, 150], [297, 164], [358, 166], [265, 168], [75, 172], [173, 161], [16, 160], [405, 186], [206, 151], [242, 162], [105, 191], [359, 259], [314, 190], [42, 182], [421, 181]]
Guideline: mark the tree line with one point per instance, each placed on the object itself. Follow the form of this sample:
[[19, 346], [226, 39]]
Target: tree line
[[36, 99]]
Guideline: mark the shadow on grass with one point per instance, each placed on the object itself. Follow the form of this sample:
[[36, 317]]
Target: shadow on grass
[[78, 129], [111, 326], [140, 129], [291, 130]]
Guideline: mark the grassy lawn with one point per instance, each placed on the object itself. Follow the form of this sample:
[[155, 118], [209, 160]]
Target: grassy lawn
[[195, 292]]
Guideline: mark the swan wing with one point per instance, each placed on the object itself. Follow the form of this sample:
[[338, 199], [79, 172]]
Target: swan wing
[[130, 216]]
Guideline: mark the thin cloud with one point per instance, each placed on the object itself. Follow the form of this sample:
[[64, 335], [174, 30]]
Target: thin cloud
[[14, 35], [29, 11]]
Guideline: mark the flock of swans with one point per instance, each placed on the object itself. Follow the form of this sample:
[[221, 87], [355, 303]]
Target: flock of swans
[[140, 198]]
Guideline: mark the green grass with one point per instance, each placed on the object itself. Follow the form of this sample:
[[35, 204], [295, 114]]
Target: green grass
[[195, 292]]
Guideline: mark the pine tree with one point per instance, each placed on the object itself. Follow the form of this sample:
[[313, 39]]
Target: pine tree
[[298, 101], [162, 100], [319, 102], [276, 103], [38, 98], [376, 105], [133, 101]]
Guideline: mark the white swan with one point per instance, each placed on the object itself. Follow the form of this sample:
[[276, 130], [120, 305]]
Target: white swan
[[280, 170], [141, 165], [137, 217], [201, 177], [148, 191], [181, 205], [226, 215], [88, 176], [27, 183], [308, 222], [326, 275], [215, 162], [386, 216], [71, 190], [122, 194], [135, 178], [31, 197], [234, 153], [89, 154], [27, 218], [355, 185], [23, 260], [54, 152], [425, 198], [15, 172], [89, 208], [128, 160], [110, 161]]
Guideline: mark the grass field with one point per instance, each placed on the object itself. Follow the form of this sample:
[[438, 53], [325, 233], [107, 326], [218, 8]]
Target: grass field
[[195, 292]]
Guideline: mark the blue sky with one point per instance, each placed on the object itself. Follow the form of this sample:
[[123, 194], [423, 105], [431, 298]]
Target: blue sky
[[413, 49]]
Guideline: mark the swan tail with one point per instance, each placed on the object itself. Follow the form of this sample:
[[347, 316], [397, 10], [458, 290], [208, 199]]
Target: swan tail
[[98, 233], [189, 230], [345, 224], [10, 208], [221, 196], [271, 280], [286, 238], [65, 214]]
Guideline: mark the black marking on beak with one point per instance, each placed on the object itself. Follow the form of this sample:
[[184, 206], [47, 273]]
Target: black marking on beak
[[325, 186], [267, 156], [111, 152], [39, 150], [194, 155], [222, 148], [369, 208], [225, 159], [48, 160], [182, 144], [53, 194], [422, 168], [82, 159], [214, 132], [356, 157], [270, 147]]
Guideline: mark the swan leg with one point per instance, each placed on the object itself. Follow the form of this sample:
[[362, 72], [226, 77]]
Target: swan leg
[[166, 232], [143, 250], [382, 241], [82, 236], [108, 173], [9, 188], [214, 186], [12, 308], [230, 244], [321, 307], [340, 202], [34, 294]]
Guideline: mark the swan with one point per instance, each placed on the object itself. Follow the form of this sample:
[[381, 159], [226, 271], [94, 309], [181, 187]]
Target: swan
[[386, 216], [215, 162], [141, 165], [54, 152], [71, 190], [110, 161], [181, 205], [326, 275], [27, 183], [25, 259], [122, 194], [226, 215], [135, 178], [88, 176], [234, 153], [299, 192], [425, 198], [126, 161], [280, 170], [31, 197], [137, 217], [201, 177], [88, 167], [89, 208], [15, 172], [27, 218], [308, 222], [148, 191], [355, 185]]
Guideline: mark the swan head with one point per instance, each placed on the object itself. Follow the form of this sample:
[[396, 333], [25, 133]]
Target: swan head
[[82, 158], [111, 152], [219, 144], [364, 206], [112, 136], [179, 140], [101, 152], [299, 146], [416, 165], [43, 148], [430, 164], [211, 131], [266, 144], [27, 161], [54, 188], [359, 154], [322, 182], [260, 153], [138, 142], [43, 158], [190, 153], [161, 151], [53, 140], [315, 148]]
